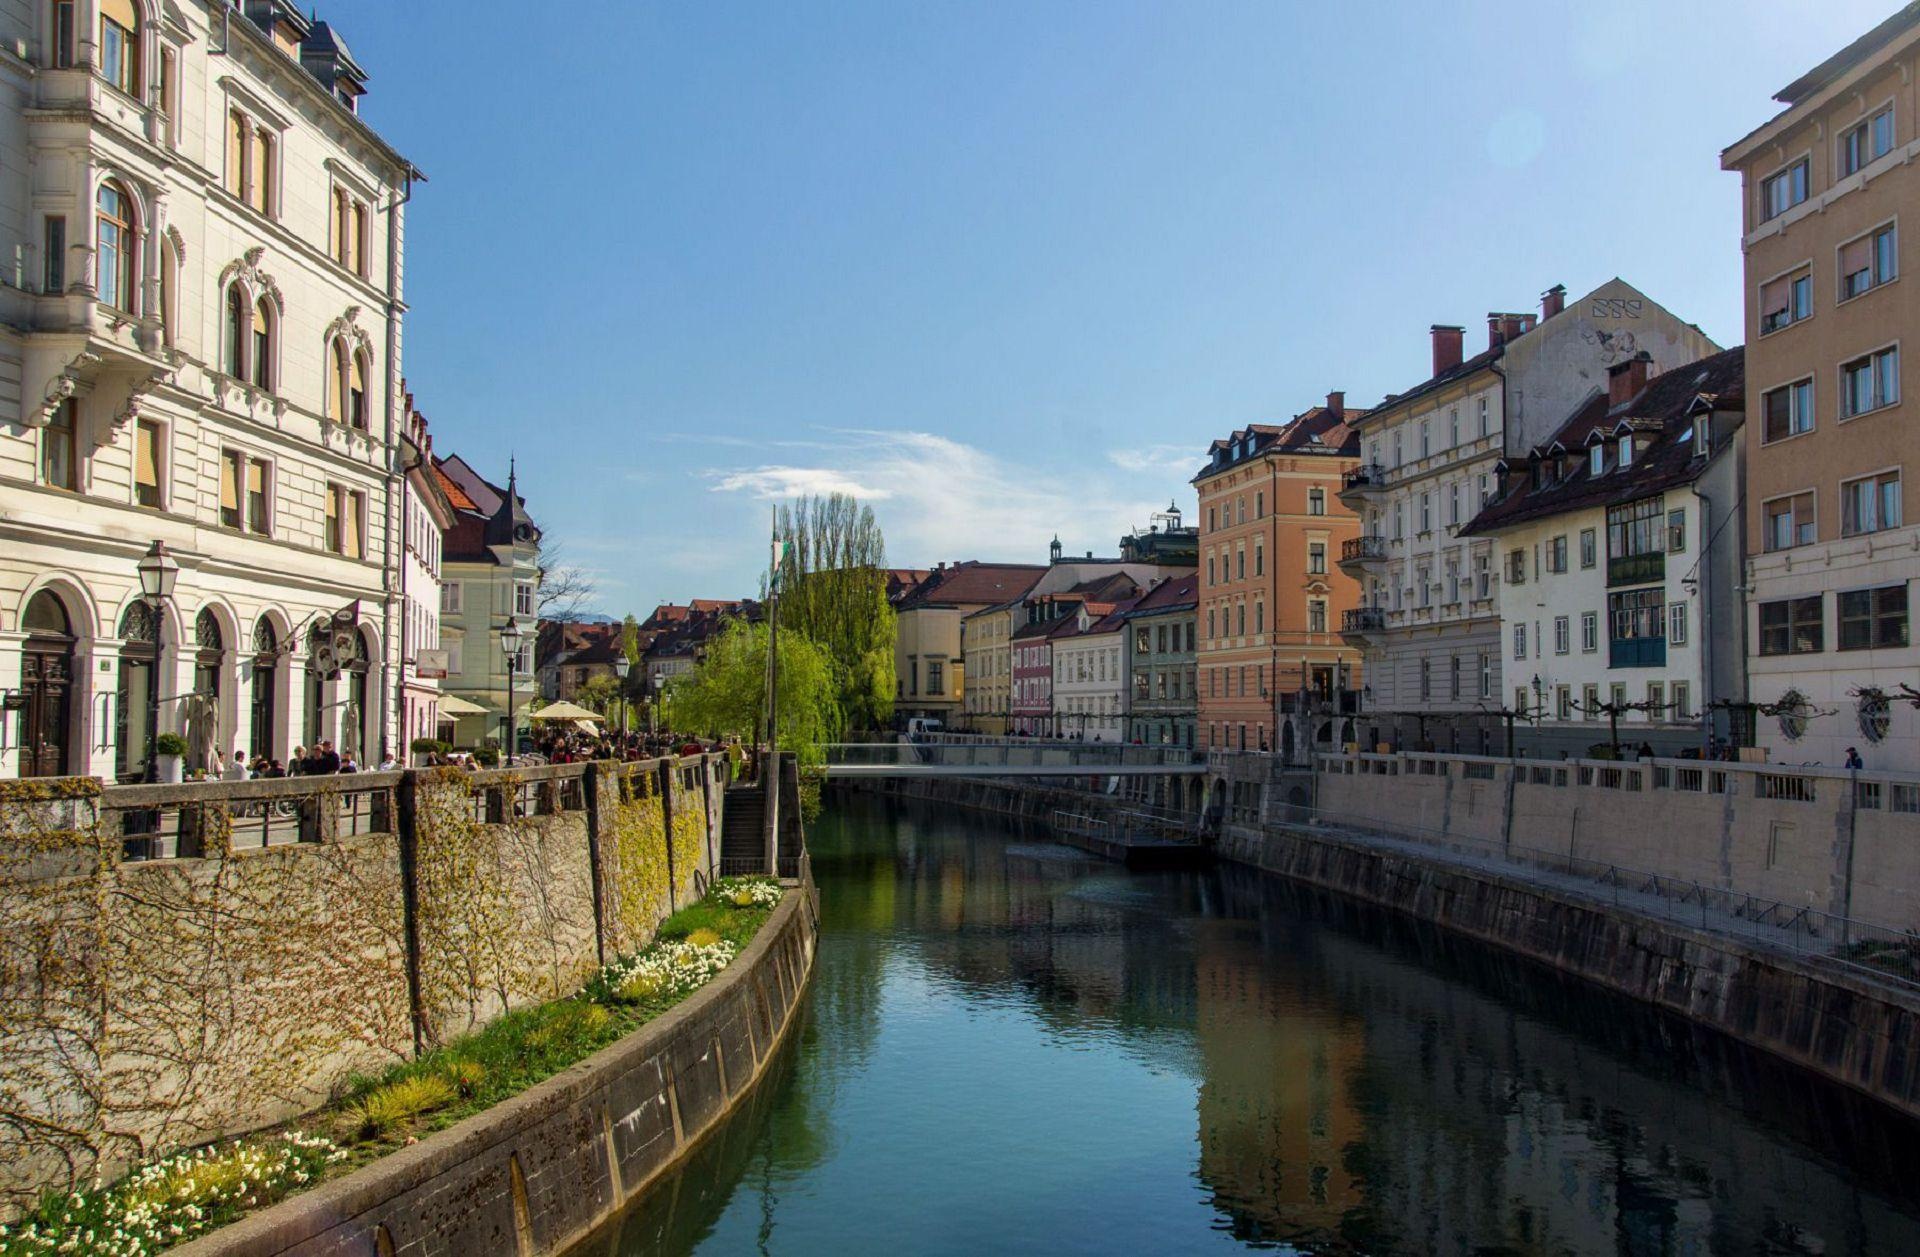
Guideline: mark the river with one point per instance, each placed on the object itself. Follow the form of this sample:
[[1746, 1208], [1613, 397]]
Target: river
[[1012, 1048]]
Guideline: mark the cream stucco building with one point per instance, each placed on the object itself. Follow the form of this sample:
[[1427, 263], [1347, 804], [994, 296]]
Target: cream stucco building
[[200, 347]]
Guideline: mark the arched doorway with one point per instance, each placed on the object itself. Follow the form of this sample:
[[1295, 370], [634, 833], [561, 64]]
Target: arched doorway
[[46, 684], [133, 709], [263, 717], [358, 668], [204, 707]]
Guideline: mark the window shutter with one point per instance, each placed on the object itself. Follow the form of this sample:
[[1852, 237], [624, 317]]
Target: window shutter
[[146, 448], [1773, 300], [1855, 255], [230, 484]]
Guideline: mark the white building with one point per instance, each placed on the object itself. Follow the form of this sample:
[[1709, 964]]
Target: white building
[[1619, 547], [1429, 620], [490, 577], [426, 515], [1090, 677], [200, 347]]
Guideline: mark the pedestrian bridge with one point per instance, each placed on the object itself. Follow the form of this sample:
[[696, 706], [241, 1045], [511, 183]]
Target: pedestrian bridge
[[1010, 759]]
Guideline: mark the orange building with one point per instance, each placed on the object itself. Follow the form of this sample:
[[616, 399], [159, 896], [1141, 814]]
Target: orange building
[[1271, 590]]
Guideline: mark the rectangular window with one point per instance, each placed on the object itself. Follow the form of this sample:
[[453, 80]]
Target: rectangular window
[[1869, 261], [1781, 192], [1483, 574], [523, 598], [1638, 628], [59, 452], [1867, 143], [346, 510], [1786, 300], [54, 251], [450, 597], [1516, 567], [261, 197], [362, 252], [1656, 700], [232, 465], [1872, 619], [1588, 547], [1316, 501], [1869, 382], [259, 520], [1486, 675], [1557, 555], [1259, 558], [63, 34], [146, 464], [1562, 635], [1426, 677], [1787, 411], [1317, 558], [1682, 701], [1677, 623], [1590, 701], [1792, 626], [936, 677], [1789, 522], [237, 128], [1426, 512], [1589, 631], [1520, 641], [1870, 505], [1562, 702], [1453, 677], [1260, 506], [1240, 564], [1317, 615], [1677, 532]]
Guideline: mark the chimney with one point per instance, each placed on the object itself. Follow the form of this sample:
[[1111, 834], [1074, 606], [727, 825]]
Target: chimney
[[1337, 405], [1552, 301], [1448, 343], [1625, 380]]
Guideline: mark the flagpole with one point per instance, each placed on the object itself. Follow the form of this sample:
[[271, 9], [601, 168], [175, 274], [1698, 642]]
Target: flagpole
[[773, 699]]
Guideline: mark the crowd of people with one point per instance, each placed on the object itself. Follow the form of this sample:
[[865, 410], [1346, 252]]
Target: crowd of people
[[319, 760], [323, 758]]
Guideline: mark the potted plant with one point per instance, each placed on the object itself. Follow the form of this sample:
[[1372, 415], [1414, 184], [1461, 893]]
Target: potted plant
[[170, 754], [424, 749]]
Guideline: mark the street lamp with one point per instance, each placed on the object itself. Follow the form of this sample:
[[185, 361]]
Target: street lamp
[[510, 642], [621, 666], [159, 571]]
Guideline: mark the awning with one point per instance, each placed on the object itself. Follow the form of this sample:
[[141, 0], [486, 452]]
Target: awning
[[563, 711], [454, 706]]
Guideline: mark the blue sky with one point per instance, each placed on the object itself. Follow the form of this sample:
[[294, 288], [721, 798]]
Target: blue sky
[[1006, 269]]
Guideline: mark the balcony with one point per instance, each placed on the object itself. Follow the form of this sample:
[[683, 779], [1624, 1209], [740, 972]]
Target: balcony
[[1637, 569], [1356, 625], [1637, 652], [1359, 555], [1363, 484]]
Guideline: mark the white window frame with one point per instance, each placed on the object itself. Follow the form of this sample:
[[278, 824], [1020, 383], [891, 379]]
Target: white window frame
[[1872, 358], [1677, 623]]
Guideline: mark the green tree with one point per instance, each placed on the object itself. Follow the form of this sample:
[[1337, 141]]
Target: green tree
[[833, 591], [726, 693]]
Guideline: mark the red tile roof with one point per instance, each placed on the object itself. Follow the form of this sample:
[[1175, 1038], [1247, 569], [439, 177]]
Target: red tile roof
[[973, 584]]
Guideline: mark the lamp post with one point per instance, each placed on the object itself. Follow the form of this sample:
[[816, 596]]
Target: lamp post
[[622, 666], [159, 571], [510, 642]]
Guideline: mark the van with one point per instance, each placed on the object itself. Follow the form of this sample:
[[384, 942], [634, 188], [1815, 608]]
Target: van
[[920, 726]]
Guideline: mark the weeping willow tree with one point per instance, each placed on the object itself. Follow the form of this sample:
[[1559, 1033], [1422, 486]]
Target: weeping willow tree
[[726, 694], [833, 592]]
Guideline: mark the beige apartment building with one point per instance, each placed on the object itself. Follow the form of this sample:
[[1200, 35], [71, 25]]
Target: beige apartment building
[[986, 646], [929, 662], [1832, 554]]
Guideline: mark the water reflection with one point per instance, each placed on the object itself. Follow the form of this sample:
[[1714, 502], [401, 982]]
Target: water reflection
[[1009, 1047]]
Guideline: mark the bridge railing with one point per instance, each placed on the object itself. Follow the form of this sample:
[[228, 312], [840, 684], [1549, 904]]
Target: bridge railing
[[1070, 757]]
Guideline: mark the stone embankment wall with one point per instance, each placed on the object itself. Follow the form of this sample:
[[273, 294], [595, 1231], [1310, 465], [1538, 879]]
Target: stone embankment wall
[[534, 1175], [1849, 1028], [148, 1003], [1845, 844]]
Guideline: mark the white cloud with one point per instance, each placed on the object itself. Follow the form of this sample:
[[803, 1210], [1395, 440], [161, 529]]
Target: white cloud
[[1179, 459], [941, 499]]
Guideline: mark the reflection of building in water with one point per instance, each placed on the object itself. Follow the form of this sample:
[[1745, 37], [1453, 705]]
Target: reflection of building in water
[[1278, 1117]]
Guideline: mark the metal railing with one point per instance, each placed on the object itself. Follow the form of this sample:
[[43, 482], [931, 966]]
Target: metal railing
[[1865, 947], [1363, 549], [1363, 620], [1031, 758]]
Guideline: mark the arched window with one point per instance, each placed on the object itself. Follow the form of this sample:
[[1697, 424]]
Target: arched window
[[357, 392], [115, 246], [133, 705], [262, 344], [210, 646], [120, 45], [358, 666], [46, 687], [236, 337], [266, 664], [339, 381]]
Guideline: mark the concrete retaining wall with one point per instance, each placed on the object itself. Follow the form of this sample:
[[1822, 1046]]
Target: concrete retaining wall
[[1839, 843], [1848, 1029], [535, 1174]]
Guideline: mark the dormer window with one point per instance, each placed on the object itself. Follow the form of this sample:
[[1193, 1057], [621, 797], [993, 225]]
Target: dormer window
[[1702, 433], [1597, 460], [1626, 453]]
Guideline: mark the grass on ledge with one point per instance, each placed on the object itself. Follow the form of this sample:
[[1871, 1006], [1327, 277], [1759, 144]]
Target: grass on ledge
[[173, 1200]]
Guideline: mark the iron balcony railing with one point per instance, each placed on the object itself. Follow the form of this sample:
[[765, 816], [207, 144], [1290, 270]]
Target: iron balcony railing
[[1363, 620], [1362, 549], [1367, 476]]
